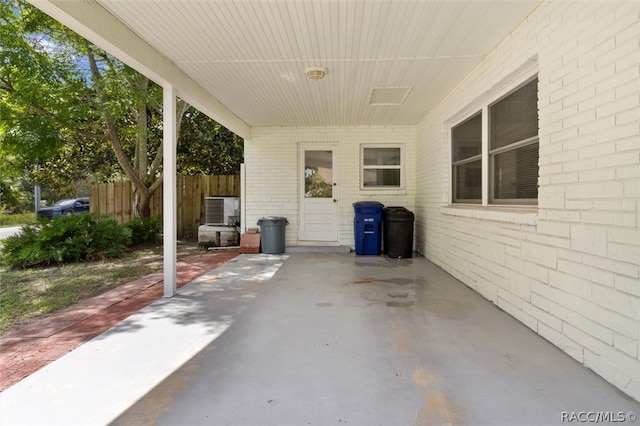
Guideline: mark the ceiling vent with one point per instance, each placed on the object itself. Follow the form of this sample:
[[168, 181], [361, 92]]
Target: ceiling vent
[[389, 95]]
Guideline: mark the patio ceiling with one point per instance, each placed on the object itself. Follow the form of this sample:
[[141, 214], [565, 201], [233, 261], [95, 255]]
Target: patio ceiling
[[242, 61], [250, 55]]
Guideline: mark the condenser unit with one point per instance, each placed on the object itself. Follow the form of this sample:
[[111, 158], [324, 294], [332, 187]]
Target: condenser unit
[[222, 211]]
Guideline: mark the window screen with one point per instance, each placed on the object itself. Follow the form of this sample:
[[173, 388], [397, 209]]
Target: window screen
[[381, 167], [512, 143], [515, 117], [516, 173], [382, 156], [466, 140], [468, 179], [513, 129]]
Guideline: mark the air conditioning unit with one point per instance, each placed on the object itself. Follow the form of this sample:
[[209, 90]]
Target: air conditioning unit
[[222, 211]]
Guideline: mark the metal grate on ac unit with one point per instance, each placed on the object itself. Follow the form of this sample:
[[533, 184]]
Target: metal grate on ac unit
[[222, 211]]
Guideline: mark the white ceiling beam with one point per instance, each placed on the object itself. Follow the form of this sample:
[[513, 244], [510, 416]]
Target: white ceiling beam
[[93, 22]]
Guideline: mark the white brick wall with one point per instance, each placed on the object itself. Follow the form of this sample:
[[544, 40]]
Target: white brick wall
[[272, 184], [569, 269], [572, 273]]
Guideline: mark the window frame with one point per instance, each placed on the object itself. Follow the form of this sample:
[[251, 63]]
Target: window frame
[[474, 158], [487, 156], [492, 153], [400, 167]]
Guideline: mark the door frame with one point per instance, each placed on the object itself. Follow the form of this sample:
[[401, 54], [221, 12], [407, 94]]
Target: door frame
[[318, 146]]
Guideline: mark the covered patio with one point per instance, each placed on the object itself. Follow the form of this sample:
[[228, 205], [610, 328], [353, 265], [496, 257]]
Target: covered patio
[[537, 211], [316, 339]]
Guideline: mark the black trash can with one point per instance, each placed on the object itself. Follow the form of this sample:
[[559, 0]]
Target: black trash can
[[398, 232], [272, 235], [367, 227]]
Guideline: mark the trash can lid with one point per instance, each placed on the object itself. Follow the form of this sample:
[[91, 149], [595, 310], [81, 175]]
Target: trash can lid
[[397, 212], [367, 204], [272, 220], [396, 209]]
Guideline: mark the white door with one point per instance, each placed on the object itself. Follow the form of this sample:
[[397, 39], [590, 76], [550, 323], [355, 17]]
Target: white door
[[318, 193]]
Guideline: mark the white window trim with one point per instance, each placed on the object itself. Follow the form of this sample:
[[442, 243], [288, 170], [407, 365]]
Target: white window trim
[[402, 167], [512, 82], [451, 165]]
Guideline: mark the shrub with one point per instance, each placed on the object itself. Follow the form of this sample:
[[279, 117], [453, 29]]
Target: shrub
[[66, 239], [145, 230]]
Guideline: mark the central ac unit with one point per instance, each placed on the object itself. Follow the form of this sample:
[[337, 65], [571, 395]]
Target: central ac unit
[[222, 211]]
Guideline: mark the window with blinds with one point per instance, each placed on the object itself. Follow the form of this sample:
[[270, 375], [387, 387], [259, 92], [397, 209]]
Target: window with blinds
[[467, 160], [381, 167], [511, 141], [513, 146]]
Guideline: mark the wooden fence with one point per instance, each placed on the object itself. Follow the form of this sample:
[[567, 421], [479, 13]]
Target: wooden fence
[[116, 199]]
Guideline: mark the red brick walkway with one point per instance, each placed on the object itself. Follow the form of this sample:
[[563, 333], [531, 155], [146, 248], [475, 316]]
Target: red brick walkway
[[28, 349]]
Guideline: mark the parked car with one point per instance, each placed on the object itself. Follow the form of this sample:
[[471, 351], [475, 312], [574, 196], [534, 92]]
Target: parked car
[[65, 207]]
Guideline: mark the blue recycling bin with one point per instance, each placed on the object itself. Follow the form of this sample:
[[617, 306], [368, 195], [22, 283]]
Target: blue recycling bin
[[367, 227]]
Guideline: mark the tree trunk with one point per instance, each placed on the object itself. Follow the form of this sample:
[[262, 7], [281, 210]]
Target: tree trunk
[[146, 178], [142, 84], [143, 204]]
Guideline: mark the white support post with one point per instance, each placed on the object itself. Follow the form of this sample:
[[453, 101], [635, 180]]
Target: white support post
[[243, 200], [170, 228]]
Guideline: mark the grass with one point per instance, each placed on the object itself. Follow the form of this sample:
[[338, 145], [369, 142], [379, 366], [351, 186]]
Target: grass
[[28, 294], [17, 219]]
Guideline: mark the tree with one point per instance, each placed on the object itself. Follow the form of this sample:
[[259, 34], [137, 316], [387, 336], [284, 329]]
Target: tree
[[207, 147], [125, 99], [60, 93], [69, 110], [41, 91]]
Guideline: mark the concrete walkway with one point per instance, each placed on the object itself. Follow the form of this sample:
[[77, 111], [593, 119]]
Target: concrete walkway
[[317, 339]]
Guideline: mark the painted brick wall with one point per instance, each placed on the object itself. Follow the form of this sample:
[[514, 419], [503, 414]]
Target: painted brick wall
[[272, 184], [569, 270]]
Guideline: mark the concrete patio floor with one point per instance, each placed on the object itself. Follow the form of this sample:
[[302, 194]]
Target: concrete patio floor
[[318, 339]]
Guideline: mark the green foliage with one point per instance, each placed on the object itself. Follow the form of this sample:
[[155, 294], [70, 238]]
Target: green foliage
[[42, 89], [9, 197], [68, 107], [16, 219], [66, 239], [315, 185], [145, 230], [206, 147], [16, 196], [65, 104]]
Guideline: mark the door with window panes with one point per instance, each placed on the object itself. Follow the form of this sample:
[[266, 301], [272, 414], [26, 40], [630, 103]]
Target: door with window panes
[[318, 193]]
